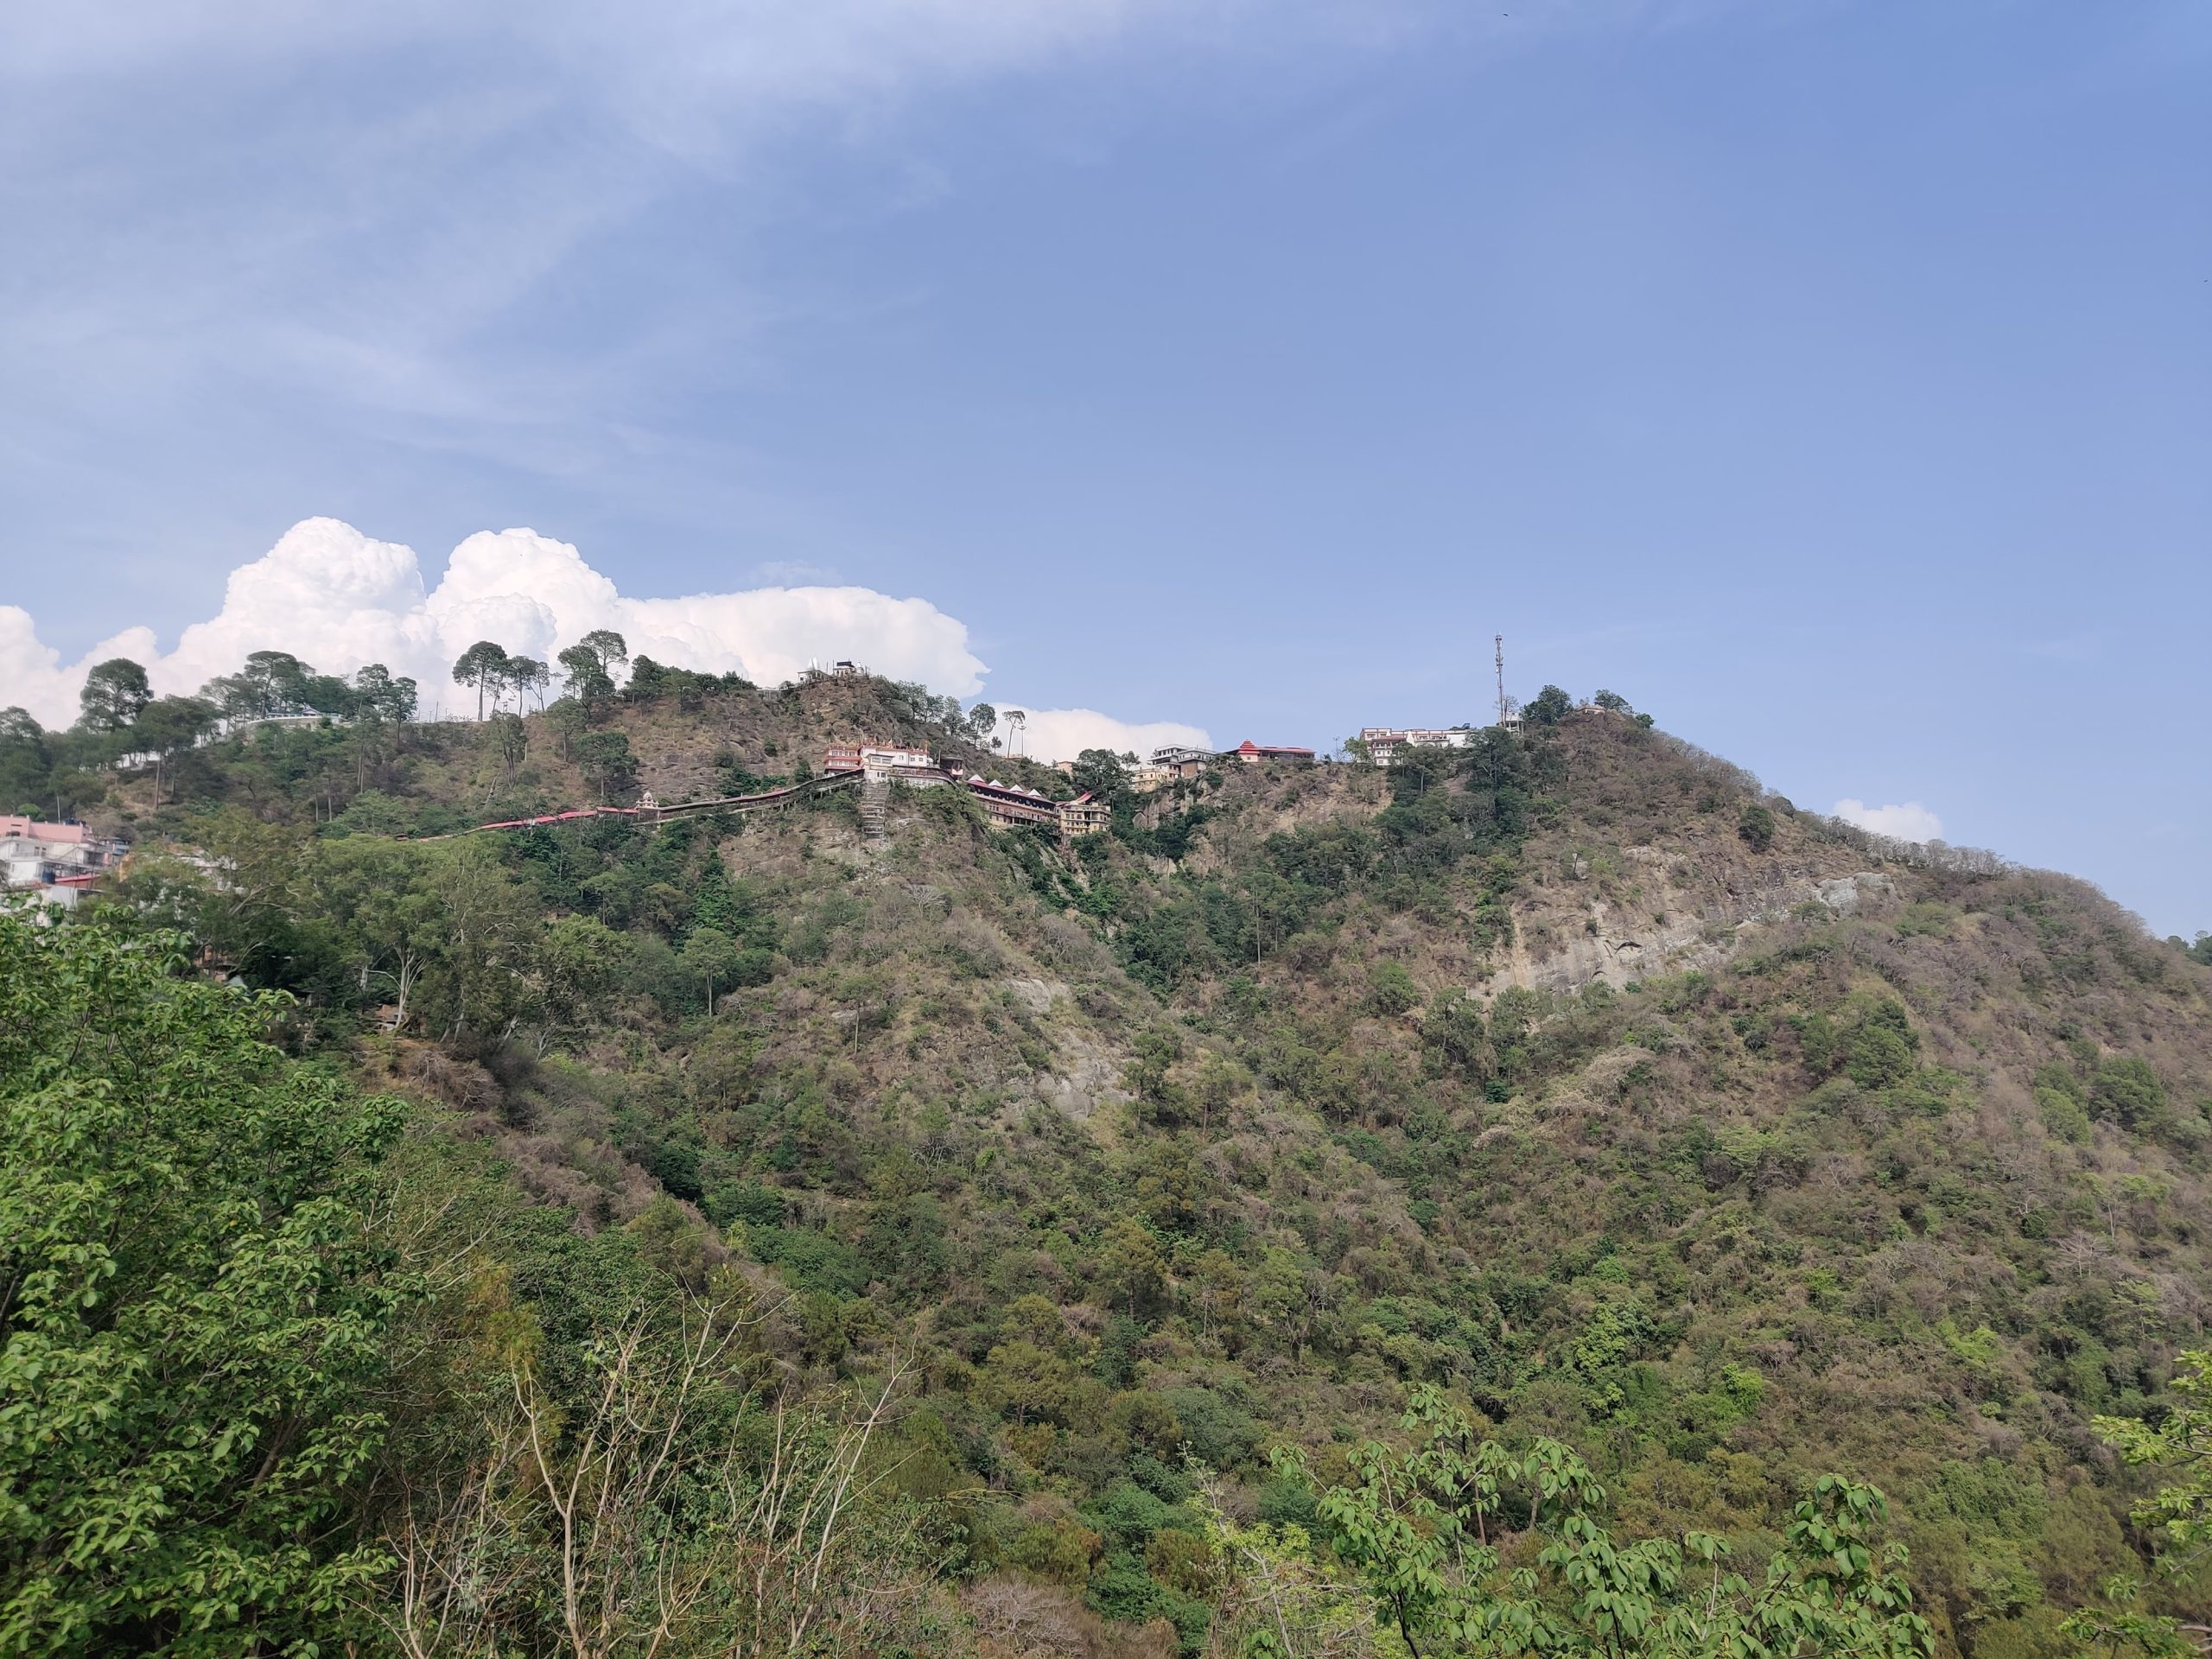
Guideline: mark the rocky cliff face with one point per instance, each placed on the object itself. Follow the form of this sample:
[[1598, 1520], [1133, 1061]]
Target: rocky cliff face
[[1682, 915]]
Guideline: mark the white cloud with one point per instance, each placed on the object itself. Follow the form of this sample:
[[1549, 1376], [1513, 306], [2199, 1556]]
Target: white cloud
[[338, 599], [1064, 734], [1908, 821], [33, 677]]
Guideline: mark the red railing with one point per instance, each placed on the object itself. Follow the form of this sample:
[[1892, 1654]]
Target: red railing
[[771, 797]]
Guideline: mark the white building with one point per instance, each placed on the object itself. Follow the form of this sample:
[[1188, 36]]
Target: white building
[[1385, 743], [56, 860], [904, 765]]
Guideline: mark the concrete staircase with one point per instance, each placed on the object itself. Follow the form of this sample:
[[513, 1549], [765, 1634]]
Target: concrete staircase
[[875, 807]]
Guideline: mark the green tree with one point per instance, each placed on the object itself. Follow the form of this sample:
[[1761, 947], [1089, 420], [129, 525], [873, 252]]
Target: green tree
[[377, 896], [490, 930], [1424, 1528], [277, 683], [1131, 1269], [527, 676], [580, 961], [713, 962], [607, 762], [114, 692], [1548, 708], [380, 694], [2127, 1091], [589, 684], [1452, 1030], [1099, 771], [510, 740], [282, 680], [1022, 1379], [1390, 987], [2180, 1515], [608, 646], [169, 726], [1756, 826], [246, 903], [282, 677], [2118, 1624], [26, 760], [481, 665], [1276, 1598], [650, 679], [1288, 1294], [192, 1308]]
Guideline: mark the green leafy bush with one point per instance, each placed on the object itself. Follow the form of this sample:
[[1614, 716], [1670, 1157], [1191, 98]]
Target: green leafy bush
[[1756, 826], [2128, 1092], [194, 1313]]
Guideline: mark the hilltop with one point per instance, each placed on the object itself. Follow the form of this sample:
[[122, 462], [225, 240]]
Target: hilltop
[[1571, 1072]]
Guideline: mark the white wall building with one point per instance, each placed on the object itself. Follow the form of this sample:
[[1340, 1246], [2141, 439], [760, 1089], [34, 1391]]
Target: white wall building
[[56, 860], [904, 765], [1384, 743]]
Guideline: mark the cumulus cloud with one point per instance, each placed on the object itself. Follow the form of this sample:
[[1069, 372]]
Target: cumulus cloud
[[1064, 734], [338, 599], [1908, 821], [33, 677]]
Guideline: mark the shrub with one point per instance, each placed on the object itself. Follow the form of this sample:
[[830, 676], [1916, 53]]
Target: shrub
[[747, 1201], [2062, 1115], [2128, 1092], [1059, 1551], [1390, 988], [189, 1388]]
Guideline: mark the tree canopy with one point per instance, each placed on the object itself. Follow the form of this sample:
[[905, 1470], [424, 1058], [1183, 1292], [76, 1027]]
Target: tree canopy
[[192, 1308], [483, 665], [114, 692]]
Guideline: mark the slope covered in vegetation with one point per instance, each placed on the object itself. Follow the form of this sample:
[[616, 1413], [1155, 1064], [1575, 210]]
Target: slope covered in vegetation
[[1567, 1082]]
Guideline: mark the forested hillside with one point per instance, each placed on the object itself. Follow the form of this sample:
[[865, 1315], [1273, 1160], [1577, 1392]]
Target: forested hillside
[[1282, 1219]]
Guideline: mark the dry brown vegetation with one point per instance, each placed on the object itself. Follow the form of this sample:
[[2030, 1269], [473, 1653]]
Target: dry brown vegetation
[[1730, 1149]]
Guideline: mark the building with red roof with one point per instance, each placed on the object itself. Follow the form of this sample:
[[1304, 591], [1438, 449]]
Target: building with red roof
[[1252, 754]]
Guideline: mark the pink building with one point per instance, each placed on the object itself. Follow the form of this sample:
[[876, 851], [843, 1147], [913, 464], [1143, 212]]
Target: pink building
[[14, 825], [58, 860]]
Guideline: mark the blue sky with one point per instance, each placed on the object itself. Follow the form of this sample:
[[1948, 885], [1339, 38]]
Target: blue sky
[[1834, 380]]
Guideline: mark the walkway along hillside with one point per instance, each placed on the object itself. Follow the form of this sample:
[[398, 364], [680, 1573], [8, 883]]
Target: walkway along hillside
[[650, 811], [1004, 805]]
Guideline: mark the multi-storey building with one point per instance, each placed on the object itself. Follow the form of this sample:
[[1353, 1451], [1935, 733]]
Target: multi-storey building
[[1010, 806], [1384, 743], [915, 767], [1086, 814], [1181, 762], [57, 860]]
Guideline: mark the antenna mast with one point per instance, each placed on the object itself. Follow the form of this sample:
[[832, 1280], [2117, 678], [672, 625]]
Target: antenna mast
[[1502, 710]]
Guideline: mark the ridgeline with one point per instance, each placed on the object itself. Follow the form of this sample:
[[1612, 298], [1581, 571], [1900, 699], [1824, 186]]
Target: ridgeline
[[1279, 1218]]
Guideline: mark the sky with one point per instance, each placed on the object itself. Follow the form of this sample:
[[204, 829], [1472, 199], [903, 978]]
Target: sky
[[1831, 379]]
